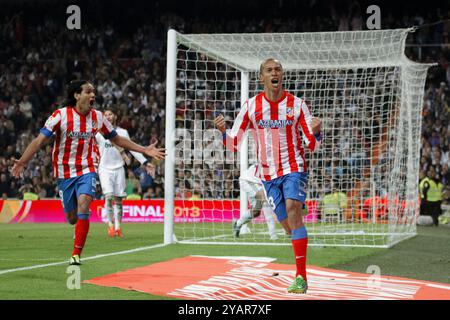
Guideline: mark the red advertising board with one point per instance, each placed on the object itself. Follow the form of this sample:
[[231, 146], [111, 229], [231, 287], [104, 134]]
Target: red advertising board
[[51, 211]]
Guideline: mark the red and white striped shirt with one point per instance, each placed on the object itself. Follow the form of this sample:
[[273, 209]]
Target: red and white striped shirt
[[277, 129], [75, 150]]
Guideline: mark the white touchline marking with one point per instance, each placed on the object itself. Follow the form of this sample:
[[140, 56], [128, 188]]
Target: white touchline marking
[[83, 259]]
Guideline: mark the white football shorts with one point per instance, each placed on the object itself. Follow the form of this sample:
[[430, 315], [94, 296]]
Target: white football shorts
[[113, 181]]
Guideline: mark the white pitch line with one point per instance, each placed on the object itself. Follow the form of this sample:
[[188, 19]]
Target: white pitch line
[[84, 259]]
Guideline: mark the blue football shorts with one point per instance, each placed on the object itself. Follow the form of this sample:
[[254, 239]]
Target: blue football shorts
[[290, 186], [70, 189]]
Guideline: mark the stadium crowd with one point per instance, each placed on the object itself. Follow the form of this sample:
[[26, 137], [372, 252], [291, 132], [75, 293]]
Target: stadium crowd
[[127, 66]]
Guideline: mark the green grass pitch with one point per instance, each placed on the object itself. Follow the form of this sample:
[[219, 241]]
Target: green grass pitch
[[425, 257]]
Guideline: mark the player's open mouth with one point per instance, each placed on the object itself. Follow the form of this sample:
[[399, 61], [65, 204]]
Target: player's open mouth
[[274, 81], [91, 101]]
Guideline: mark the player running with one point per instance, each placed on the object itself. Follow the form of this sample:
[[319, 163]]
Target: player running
[[279, 121], [75, 155], [111, 173]]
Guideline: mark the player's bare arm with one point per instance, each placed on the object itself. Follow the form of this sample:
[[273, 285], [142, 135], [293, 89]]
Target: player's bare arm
[[151, 150], [30, 151]]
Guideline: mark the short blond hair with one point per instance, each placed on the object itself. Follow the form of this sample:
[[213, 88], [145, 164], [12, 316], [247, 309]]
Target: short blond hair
[[261, 67]]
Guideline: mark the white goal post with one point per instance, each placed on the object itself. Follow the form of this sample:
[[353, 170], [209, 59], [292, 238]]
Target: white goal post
[[363, 182]]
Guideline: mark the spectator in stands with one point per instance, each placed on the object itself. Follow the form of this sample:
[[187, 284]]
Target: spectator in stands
[[431, 191], [134, 195], [132, 183], [145, 179], [4, 186]]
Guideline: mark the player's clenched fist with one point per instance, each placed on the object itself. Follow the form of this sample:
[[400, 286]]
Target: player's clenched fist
[[220, 123], [316, 125]]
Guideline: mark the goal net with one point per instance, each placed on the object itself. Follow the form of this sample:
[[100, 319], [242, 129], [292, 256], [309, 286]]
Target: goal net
[[363, 182]]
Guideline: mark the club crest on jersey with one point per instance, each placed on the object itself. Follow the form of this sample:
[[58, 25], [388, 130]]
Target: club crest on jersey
[[289, 112]]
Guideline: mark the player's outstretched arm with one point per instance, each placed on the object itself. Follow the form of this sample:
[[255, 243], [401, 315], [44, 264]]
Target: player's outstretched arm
[[151, 150], [232, 138], [30, 151]]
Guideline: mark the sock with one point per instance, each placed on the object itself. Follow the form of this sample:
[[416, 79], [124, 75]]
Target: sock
[[245, 218], [267, 211], [109, 210], [118, 214], [300, 245], [81, 232]]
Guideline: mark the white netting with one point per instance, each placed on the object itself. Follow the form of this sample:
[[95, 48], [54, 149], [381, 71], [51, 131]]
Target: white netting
[[369, 97]]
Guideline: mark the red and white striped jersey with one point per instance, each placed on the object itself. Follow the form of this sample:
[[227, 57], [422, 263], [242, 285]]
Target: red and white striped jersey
[[75, 150], [277, 128]]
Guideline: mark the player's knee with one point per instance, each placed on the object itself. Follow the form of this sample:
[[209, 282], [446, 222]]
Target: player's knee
[[84, 203], [72, 217]]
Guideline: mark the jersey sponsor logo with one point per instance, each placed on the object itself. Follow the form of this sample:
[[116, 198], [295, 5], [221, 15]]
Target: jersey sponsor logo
[[274, 123], [108, 145], [80, 135]]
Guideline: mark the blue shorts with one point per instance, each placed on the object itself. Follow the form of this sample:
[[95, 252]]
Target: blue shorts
[[70, 189], [290, 186]]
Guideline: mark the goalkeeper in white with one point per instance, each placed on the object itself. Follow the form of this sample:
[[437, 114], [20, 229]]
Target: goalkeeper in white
[[251, 184], [112, 174]]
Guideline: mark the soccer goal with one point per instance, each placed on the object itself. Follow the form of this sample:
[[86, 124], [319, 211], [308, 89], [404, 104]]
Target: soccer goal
[[363, 182]]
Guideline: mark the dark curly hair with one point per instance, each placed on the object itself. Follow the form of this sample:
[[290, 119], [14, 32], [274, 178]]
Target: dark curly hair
[[73, 87]]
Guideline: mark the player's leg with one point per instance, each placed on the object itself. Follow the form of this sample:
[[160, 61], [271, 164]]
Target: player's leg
[[109, 198], [267, 211], [118, 217], [68, 197], [68, 200], [270, 220], [255, 207], [85, 189], [106, 181], [435, 212], [294, 190], [119, 191]]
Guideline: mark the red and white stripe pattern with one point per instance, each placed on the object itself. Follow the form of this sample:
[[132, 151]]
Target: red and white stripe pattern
[[278, 128], [75, 150]]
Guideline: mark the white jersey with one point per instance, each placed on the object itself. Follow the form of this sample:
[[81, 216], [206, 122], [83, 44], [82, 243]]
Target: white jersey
[[251, 175], [110, 157]]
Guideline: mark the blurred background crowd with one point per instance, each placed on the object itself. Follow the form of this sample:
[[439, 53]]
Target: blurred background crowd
[[122, 50]]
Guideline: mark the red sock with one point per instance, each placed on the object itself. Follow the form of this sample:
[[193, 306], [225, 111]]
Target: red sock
[[300, 246], [81, 232]]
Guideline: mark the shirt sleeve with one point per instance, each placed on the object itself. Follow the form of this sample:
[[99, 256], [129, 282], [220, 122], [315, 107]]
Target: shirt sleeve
[[312, 141], [138, 156], [233, 138], [106, 128], [52, 124]]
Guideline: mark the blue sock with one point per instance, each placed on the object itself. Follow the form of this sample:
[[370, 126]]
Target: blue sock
[[299, 233], [83, 216]]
